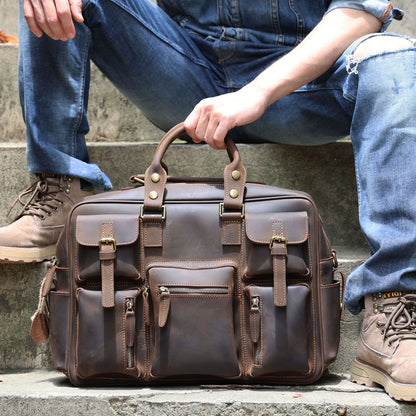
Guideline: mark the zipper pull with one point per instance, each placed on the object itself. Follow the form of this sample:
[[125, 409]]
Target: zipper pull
[[130, 330], [255, 318], [164, 305]]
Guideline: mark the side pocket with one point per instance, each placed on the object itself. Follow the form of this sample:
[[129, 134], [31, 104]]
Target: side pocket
[[194, 322], [331, 315], [58, 327], [106, 337], [281, 337]]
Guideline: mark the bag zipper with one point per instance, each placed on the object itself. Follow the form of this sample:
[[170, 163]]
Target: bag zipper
[[165, 293], [187, 290]]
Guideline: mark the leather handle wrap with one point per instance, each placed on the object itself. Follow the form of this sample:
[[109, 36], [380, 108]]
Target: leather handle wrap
[[234, 175]]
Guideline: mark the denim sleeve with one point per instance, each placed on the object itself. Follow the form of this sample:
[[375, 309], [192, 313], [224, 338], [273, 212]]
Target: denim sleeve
[[382, 9]]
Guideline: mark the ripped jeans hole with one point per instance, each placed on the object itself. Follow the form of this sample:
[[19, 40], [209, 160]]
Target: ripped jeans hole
[[352, 65]]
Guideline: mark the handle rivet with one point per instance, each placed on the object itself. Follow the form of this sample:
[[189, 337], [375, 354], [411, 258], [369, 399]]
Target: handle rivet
[[236, 175], [153, 195], [233, 193], [155, 177]]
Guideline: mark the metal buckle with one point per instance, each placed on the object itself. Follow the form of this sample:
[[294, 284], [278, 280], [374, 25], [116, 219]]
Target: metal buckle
[[136, 179], [334, 259], [107, 240], [243, 210], [163, 212], [277, 239]]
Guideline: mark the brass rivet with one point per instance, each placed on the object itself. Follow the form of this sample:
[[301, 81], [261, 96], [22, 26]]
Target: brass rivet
[[236, 175], [155, 177], [233, 193], [153, 195]]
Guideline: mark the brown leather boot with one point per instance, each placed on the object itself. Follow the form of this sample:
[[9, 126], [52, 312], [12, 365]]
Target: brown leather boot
[[386, 353], [33, 234]]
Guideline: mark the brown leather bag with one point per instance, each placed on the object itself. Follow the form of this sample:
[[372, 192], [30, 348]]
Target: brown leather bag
[[190, 281]]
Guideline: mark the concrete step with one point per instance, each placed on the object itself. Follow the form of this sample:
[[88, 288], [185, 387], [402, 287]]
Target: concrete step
[[39, 393], [110, 114]]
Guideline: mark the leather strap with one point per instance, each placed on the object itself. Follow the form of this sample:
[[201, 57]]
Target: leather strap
[[47, 282], [234, 185], [107, 257], [39, 328], [231, 229], [279, 253], [156, 175], [152, 226]]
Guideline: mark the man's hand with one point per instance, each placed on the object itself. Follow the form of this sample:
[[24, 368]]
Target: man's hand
[[213, 117], [54, 17]]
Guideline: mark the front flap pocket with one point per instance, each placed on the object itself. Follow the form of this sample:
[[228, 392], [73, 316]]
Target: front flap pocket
[[106, 337], [107, 238], [263, 229], [194, 322]]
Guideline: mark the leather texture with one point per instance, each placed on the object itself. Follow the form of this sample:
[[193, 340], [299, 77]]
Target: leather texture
[[192, 281]]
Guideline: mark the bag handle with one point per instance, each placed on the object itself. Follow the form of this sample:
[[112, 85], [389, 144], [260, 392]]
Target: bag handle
[[156, 176]]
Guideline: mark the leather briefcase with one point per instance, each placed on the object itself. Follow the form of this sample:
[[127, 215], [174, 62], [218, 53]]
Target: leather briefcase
[[181, 280]]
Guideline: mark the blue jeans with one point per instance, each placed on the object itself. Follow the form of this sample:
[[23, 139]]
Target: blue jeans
[[166, 61]]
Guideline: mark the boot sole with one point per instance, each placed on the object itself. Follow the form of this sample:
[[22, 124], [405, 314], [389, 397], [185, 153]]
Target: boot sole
[[26, 255], [373, 377]]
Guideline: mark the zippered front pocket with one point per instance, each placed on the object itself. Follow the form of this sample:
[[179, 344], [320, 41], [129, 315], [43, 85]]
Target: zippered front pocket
[[166, 292], [194, 322], [280, 338], [106, 337]]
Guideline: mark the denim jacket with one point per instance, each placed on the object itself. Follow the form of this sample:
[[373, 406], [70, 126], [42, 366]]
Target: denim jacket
[[382, 9], [283, 22]]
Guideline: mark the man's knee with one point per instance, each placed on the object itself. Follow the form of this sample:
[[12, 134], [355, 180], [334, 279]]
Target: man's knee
[[379, 44]]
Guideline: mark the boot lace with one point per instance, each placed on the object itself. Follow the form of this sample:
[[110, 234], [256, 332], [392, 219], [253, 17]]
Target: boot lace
[[401, 323], [42, 198]]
